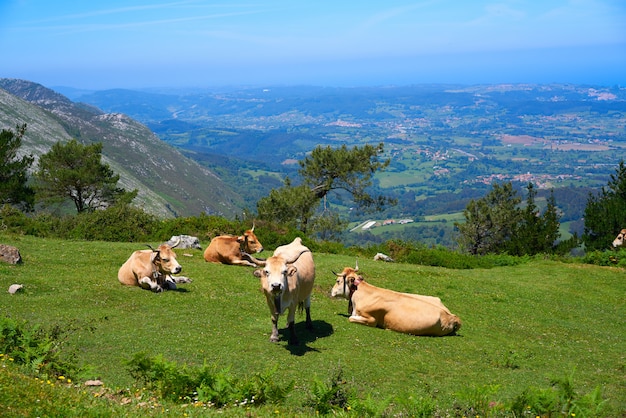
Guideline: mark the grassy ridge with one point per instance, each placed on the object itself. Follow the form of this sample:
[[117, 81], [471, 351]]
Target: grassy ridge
[[522, 325]]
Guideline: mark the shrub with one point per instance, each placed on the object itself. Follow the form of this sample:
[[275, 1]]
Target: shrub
[[208, 385], [40, 351], [559, 400], [614, 258], [328, 397]]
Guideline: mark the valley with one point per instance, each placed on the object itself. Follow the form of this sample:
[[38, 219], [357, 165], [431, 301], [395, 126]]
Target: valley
[[447, 144]]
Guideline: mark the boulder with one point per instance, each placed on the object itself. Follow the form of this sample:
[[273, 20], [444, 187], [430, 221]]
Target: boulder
[[184, 241], [14, 288], [10, 254]]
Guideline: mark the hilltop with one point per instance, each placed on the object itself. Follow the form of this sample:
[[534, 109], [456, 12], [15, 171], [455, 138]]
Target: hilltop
[[169, 183]]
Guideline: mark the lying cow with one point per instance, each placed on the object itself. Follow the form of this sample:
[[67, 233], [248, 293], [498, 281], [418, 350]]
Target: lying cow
[[152, 269], [231, 249], [619, 240], [287, 281], [402, 312]]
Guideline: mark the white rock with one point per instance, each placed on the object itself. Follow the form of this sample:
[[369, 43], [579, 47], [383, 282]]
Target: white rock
[[14, 288]]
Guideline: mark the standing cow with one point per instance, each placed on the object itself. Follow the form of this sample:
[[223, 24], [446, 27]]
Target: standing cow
[[231, 249], [152, 269], [287, 281], [619, 239], [402, 312]]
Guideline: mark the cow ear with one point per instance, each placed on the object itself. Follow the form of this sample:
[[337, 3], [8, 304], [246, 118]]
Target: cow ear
[[291, 271], [258, 273], [155, 256], [241, 238]]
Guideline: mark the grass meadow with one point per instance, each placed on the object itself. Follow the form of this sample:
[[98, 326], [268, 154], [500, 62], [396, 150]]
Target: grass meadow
[[523, 327]]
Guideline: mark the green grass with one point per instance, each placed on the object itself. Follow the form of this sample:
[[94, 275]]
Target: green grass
[[522, 326]]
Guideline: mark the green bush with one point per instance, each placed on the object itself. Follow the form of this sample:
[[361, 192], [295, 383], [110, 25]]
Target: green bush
[[39, 351], [613, 258], [558, 400], [208, 385]]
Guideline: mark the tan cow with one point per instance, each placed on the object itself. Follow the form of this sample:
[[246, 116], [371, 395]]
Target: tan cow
[[152, 269], [231, 249], [287, 281], [402, 312], [619, 240]]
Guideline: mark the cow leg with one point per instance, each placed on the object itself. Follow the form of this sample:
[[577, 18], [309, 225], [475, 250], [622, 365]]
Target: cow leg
[[148, 284], [364, 320], [178, 279], [254, 262], [307, 308], [274, 337], [293, 338], [291, 325]]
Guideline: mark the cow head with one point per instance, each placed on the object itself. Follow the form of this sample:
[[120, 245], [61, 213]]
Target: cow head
[[346, 282], [275, 279], [619, 240], [164, 259], [249, 242]]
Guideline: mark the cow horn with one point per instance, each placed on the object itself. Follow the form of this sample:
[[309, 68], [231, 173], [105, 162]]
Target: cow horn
[[252, 227], [150, 246], [176, 244], [356, 266], [333, 271]]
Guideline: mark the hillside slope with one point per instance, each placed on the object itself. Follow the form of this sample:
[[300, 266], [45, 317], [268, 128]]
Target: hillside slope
[[169, 184]]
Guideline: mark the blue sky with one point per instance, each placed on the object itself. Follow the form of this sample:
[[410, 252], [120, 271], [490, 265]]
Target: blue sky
[[99, 44]]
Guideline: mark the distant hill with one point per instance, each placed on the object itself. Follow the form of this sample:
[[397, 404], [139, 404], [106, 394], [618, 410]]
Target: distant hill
[[169, 183]]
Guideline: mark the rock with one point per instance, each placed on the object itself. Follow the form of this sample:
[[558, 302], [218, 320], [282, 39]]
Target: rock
[[14, 288], [383, 257], [184, 241], [94, 383], [10, 254]]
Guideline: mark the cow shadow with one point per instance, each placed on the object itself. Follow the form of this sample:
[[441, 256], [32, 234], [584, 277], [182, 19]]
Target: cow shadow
[[321, 329]]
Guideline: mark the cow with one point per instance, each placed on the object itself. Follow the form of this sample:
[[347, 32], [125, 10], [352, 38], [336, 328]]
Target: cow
[[231, 249], [402, 312], [287, 281], [619, 240], [185, 241], [152, 269]]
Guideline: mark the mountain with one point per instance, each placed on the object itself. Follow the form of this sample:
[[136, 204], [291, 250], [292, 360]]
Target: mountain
[[169, 183]]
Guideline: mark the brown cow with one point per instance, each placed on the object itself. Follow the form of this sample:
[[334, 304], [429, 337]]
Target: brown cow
[[619, 240], [287, 281], [152, 269], [402, 312], [231, 249]]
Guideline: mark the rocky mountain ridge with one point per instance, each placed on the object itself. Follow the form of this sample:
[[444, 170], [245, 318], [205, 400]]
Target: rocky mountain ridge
[[169, 183]]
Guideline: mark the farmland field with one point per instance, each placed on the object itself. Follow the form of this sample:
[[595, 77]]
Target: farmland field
[[522, 325]]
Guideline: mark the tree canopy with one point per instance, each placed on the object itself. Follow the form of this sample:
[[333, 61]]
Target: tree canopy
[[14, 188], [605, 213], [497, 224], [74, 171], [324, 170]]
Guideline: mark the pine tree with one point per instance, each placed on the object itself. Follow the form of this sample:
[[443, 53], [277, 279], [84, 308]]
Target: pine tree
[[74, 171], [605, 213], [14, 188], [490, 222]]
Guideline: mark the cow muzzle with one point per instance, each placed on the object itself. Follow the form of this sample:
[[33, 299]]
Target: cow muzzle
[[176, 270]]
